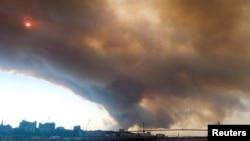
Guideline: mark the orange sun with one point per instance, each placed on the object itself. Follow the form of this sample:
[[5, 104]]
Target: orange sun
[[27, 24]]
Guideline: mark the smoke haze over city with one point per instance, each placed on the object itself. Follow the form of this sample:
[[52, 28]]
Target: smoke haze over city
[[166, 62]]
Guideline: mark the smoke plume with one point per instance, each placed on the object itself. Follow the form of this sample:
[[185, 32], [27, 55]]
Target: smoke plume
[[161, 61]]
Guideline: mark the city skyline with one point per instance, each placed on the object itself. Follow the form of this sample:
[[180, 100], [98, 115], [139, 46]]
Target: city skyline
[[36, 128]]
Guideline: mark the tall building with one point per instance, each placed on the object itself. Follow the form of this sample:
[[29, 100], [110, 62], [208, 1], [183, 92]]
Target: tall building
[[47, 127], [27, 126]]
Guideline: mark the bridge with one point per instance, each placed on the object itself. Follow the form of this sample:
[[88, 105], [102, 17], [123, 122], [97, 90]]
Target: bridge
[[178, 129]]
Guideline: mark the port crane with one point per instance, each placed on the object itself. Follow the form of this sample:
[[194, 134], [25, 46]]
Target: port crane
[[87, 124]]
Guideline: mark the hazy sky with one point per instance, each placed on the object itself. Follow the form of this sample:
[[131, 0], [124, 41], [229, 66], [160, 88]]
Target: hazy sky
[[27, 98], [170, 63]]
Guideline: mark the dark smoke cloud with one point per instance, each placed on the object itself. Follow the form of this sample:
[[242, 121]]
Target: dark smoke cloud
[[187, 61]]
